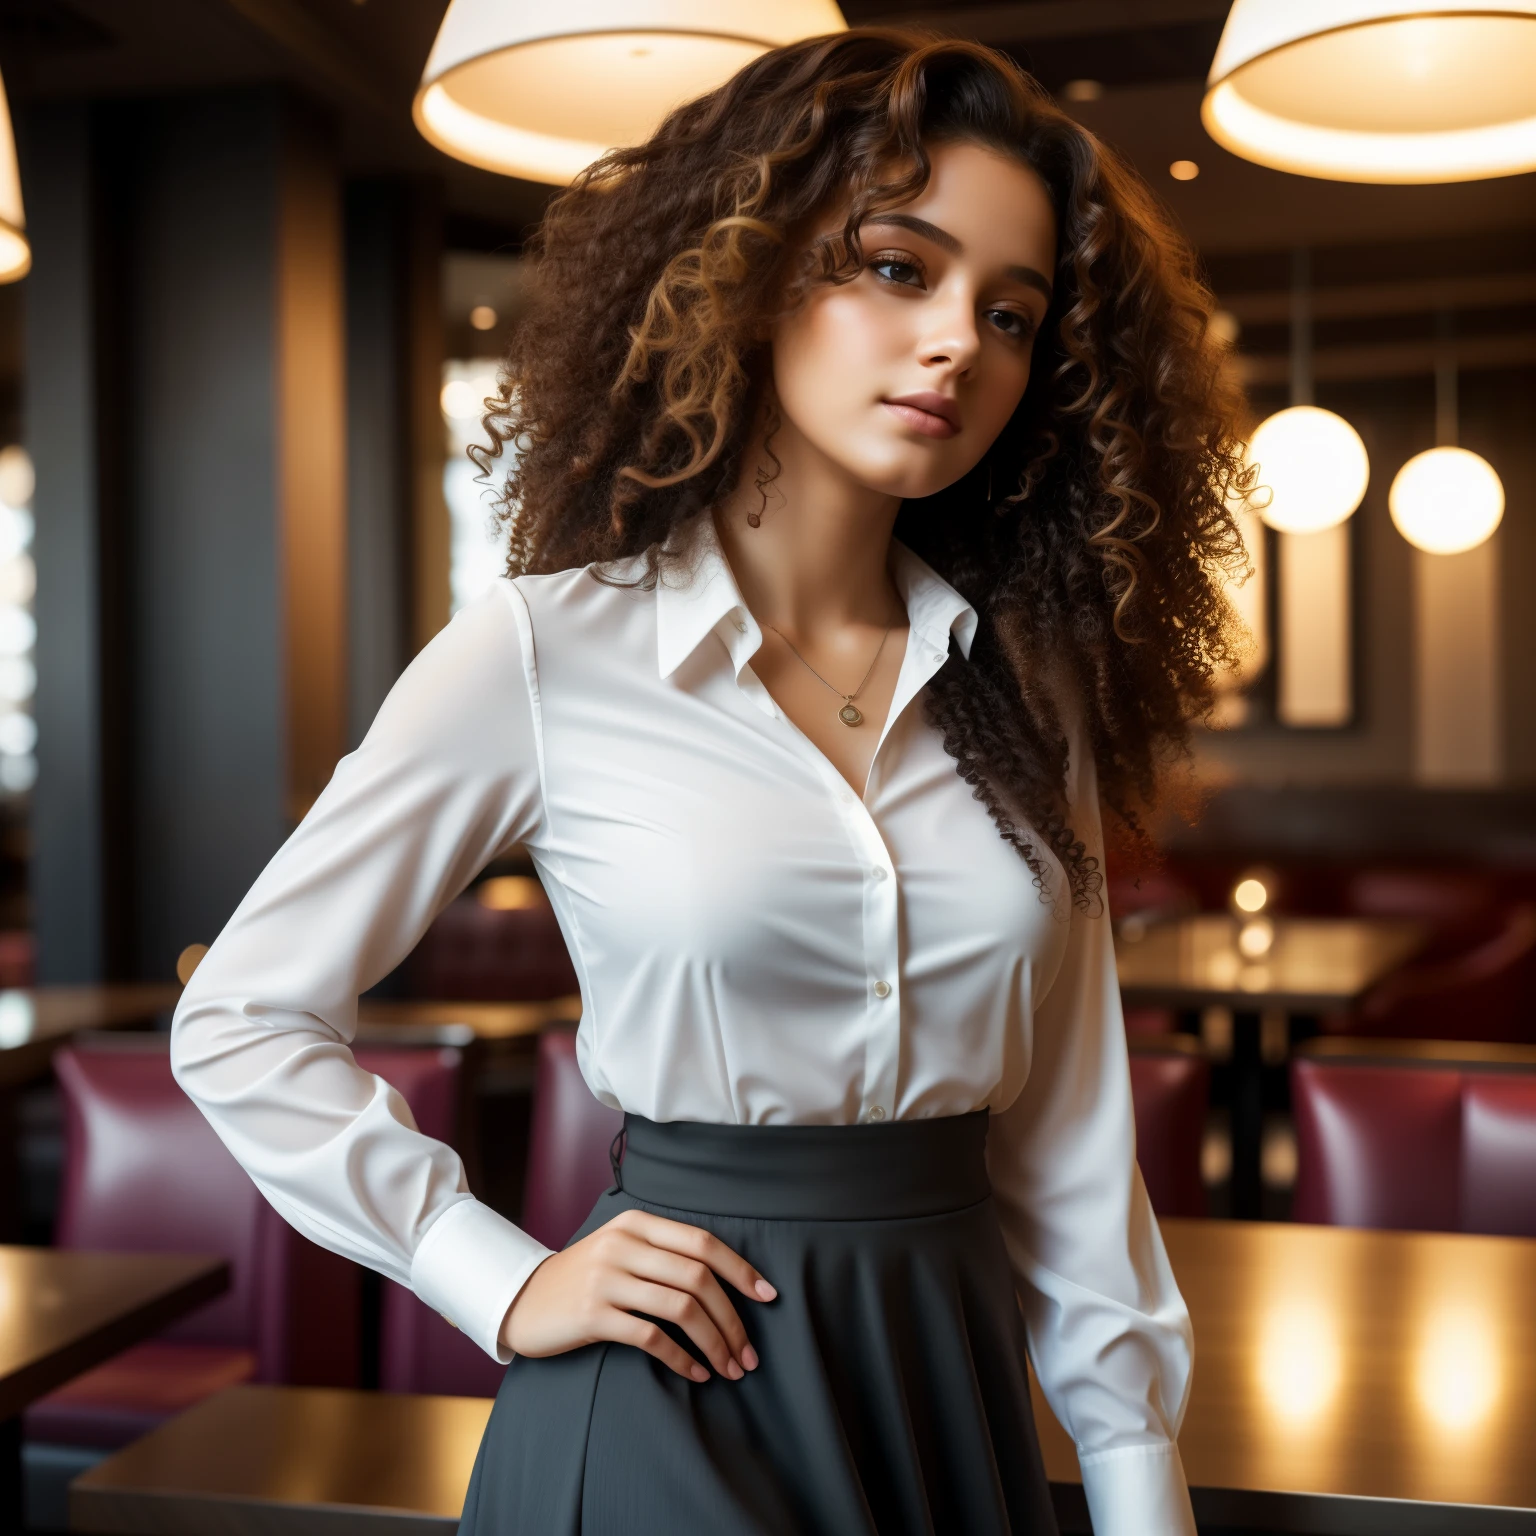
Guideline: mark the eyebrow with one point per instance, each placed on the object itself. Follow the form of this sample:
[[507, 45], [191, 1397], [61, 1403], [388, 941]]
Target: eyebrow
[[942, 238]]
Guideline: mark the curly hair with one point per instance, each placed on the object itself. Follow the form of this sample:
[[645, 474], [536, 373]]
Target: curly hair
[[1094, 537]]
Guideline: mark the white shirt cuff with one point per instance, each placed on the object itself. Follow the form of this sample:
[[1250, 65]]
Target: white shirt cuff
[[1138, 1490], [470, 1266]]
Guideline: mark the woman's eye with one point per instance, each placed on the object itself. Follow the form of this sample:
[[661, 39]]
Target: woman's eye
[[890, 270], [1011, 323]]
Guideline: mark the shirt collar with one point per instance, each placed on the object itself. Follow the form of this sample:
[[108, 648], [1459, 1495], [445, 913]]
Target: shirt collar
[[696, 597]]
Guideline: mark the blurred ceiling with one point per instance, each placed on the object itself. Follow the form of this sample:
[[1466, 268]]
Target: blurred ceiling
[[364, 57]]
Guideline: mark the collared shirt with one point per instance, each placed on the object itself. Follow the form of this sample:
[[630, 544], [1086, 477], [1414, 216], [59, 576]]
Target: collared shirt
[[756, 943]]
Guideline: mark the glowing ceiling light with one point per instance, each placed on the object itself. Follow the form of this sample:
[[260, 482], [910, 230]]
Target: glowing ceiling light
[[1446, 500], [538, 90], [15, 253], [1312, 467], [1377, 90]]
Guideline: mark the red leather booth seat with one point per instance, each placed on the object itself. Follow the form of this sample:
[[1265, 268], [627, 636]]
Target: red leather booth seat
[[568, 1166], [419, 1350], [1171, 1092], [477, 953], [1486, 993], [1418, 1147], [144, 1172]]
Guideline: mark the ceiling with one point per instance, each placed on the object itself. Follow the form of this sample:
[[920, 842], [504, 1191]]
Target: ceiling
[[364, 57]]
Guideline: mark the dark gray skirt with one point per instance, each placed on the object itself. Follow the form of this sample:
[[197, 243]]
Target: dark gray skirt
[[891, 1397]]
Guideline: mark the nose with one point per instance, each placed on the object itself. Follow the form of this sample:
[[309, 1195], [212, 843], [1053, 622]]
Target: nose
[[950, 336]]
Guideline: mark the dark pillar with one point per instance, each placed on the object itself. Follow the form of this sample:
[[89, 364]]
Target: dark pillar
[[394, 430], [217, 249]]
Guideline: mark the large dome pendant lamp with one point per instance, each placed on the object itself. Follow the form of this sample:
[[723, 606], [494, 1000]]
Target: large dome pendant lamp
[[1446, 500], [541, 90], [15, 252], [1377, 90], [1312, 463]]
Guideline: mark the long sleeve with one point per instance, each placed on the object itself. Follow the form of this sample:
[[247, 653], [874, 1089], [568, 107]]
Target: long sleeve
[[447, 777], [1108, 1331]]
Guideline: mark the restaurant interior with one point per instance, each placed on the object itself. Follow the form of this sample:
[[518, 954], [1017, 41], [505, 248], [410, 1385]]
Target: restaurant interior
[[261, 260]]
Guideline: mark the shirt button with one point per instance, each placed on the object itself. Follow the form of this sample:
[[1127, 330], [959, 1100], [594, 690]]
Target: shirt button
[[740, 624], [877, 873], [882, 989], [876, 1114]]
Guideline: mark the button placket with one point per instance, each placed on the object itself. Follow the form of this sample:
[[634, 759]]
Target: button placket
[[882, 969]]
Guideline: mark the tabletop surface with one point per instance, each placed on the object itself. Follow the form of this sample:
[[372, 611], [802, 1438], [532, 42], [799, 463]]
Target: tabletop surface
[[1354, 1365], [1337, 1372], [489, 1021], [64, 1311], [1307, 962]]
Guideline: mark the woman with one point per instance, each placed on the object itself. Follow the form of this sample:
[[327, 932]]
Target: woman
[[818, 809]]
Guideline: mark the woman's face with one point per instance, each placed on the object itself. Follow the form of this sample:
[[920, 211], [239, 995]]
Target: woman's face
[[905, 376]]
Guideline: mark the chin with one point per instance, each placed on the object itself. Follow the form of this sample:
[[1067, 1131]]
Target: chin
[[905, 475]]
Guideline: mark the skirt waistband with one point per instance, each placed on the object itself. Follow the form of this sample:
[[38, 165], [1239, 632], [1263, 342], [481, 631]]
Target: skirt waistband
[[900, 1169]]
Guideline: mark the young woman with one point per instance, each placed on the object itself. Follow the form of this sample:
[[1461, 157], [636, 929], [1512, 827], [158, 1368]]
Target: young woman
[[867, 518]]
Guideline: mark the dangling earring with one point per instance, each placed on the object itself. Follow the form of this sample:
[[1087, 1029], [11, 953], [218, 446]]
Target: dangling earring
[[989, 482]]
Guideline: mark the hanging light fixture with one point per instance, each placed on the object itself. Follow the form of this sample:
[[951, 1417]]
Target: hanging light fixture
[[1311, 461], [529, 88], [15, 253], [1446, 500], [1377, 90]]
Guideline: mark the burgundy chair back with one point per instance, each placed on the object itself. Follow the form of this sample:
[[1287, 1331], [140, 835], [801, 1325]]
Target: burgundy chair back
[[1171, 1092], [568, 1144], [1448, 1149], [1486, 993], [475, 952], [419, 1350], [145, 1172]]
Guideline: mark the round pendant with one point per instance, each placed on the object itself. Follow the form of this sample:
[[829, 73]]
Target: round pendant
[[850, 714]]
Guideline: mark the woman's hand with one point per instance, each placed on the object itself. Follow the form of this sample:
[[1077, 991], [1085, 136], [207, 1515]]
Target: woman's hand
[[640, 1263]]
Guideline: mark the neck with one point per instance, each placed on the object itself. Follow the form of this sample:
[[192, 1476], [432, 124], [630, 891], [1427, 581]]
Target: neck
[[818, 558]]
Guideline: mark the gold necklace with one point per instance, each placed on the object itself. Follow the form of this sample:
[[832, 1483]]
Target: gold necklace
[[850, 713]]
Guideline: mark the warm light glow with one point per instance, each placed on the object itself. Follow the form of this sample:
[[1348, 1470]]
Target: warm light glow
[[464, 399], [1250, 895], [18, 479], [510, 893], [1446, 500], [1083, 90], [1377, 90], [1183, 170], [15, 253], [1457, 1374], [483, 317], [530, 89], [1313, 469], [1299, 1359], [1255, 939], [188, 961]]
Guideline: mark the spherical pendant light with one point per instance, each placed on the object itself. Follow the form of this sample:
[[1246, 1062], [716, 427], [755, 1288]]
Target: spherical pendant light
[[541, 89], [1446, 500], [1377, 90], [15, 253], [1312, 467]]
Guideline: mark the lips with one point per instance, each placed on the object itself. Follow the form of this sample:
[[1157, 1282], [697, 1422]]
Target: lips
[[931, 414]]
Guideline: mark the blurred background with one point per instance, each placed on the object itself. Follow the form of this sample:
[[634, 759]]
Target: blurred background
[[236, 389]]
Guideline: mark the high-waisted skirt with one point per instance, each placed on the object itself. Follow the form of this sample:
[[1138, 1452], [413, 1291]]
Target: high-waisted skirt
[[892, 1395]]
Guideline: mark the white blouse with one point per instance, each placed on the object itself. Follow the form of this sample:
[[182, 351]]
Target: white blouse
[[756, 944]]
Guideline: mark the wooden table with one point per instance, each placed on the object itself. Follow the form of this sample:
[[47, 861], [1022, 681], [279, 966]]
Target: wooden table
[[489, 1021], [1291, 965], [63, 1312], [1346, 1384]]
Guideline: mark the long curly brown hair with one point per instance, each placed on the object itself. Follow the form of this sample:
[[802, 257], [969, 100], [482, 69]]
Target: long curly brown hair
[[1093, 539]]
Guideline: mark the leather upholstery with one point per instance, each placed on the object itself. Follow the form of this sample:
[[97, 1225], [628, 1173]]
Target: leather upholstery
[[144, 1172], [568, 1144], [419, 1350], [1487, 992], [1413, 1147], [474, 952], [1171, 1094]]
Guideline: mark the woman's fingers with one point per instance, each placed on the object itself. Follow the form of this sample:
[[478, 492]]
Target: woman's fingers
[[697, 1280], [654, 1340], [696, 1243], [683, 1310]]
